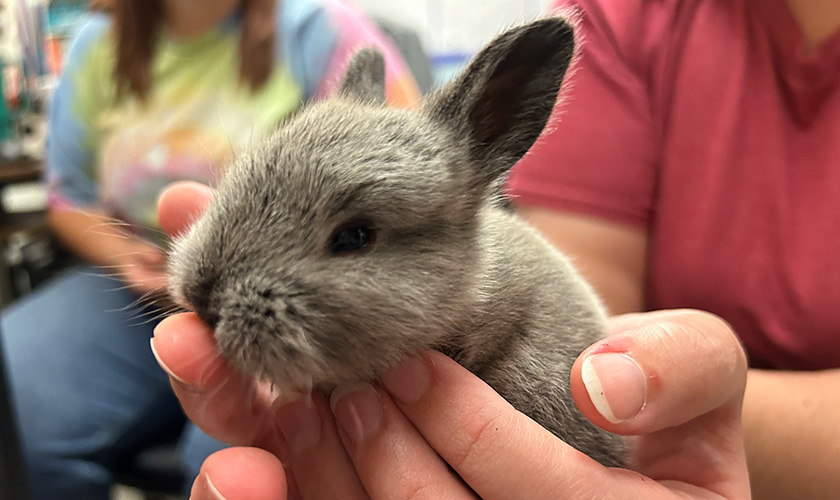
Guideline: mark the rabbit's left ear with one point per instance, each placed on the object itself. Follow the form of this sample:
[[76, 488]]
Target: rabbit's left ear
[[365, 77], [501, 102]]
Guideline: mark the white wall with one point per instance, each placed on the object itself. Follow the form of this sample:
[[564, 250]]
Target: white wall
[[455, 26]]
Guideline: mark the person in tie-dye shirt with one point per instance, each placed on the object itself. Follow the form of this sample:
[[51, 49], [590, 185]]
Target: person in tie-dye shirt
[[152, 92]]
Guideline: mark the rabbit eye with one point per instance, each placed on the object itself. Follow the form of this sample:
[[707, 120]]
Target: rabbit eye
[[351, 238]]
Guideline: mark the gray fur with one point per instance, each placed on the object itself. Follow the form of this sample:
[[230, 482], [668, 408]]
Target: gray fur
[[448, 269]]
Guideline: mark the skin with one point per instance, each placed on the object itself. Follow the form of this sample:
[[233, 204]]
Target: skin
[[789, 418], [818, 19], [97, 239], [398, 437], [187, 19]]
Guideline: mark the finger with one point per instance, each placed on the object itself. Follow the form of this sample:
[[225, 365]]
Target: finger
[[677, 378], [665, 368], [499, 452], [153, 282], [220, 400], [147, 283], [225, 405], [150, 256], [180, 204], [240, 474], [314, 450], [392, 458]]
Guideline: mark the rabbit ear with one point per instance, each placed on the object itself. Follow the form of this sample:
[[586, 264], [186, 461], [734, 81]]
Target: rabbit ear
[[503, 99], [365, 77]]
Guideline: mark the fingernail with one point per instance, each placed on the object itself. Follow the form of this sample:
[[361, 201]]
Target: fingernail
[[163, 365], [299, 422], [358, 411], [616, 385], [408, 380], [212, 489]]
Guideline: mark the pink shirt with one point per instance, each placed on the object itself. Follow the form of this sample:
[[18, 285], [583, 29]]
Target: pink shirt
[[705, 122]]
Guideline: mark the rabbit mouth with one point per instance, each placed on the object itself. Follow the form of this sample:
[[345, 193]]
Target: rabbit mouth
[[286, 359]]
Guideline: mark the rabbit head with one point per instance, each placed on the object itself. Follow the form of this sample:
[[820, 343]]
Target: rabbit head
[[351, 237]]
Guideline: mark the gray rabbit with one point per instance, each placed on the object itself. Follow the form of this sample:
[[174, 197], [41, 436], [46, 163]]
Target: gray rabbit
[[358, 234]]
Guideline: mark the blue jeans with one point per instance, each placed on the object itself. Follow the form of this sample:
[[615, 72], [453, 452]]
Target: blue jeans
[[86, 387]]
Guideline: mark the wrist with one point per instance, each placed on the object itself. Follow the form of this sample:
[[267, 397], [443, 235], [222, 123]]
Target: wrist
[[789, 421]]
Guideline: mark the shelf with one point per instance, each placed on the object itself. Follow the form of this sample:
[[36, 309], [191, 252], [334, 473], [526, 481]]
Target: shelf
[[21, 170]]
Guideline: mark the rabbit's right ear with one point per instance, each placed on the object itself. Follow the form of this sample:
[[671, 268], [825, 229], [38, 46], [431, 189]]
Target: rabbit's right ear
[[502, 101]]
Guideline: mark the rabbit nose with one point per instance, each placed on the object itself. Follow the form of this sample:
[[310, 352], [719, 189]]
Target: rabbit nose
[[210, 317], [203, 298]]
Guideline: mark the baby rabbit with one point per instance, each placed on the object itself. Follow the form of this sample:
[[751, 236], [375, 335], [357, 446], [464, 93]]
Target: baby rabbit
[[358, 234]]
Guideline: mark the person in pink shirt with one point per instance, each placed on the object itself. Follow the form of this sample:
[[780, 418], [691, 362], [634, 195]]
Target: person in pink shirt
[[695, 162], [692, 163]]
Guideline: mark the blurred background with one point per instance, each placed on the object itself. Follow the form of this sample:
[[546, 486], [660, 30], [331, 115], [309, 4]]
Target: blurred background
[[435, 37]]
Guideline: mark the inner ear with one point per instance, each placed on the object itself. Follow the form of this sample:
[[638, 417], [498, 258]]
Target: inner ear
[[499, 105], [520, 92], [496, 108]]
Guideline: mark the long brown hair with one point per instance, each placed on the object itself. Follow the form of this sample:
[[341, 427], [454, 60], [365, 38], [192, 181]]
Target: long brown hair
[[137, 24]]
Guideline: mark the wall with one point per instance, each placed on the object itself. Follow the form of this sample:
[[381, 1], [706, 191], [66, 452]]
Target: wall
[[455, 27]]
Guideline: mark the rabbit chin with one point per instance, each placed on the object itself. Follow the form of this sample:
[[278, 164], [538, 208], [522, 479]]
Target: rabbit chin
[[288, 362]]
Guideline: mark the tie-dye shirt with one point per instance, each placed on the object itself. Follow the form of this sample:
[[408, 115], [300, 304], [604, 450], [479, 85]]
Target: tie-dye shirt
[[118, 155]]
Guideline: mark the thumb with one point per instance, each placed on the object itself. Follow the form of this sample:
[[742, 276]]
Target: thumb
[[660, 370], [180, 204], [674, 379]]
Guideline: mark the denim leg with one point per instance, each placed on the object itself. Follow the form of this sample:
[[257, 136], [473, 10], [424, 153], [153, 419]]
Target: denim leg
[[86, 387]]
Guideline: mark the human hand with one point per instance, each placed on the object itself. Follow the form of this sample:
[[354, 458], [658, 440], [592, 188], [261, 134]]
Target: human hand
[[143, 269], [399, 438]]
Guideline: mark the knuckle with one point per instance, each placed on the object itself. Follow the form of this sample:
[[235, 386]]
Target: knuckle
[[721, 337], [475, 437], [706, 341], [703, 332], [418, 491]]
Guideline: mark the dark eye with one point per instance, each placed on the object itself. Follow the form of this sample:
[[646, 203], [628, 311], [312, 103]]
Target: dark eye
[[351, 238]]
